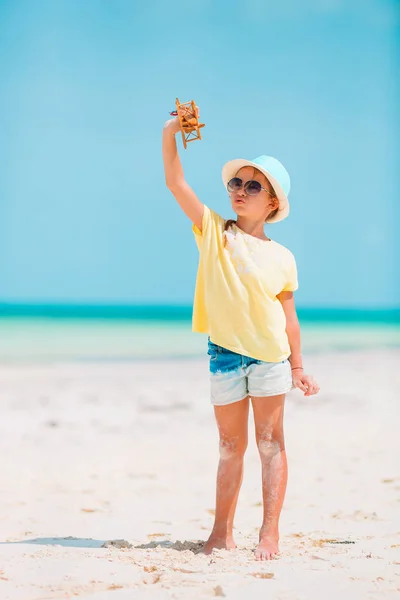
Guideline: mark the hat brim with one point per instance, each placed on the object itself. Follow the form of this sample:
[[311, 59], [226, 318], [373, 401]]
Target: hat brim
[[230, 169]]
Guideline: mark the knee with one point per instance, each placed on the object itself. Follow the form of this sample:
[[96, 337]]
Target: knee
[[230, 448], [270, 442]]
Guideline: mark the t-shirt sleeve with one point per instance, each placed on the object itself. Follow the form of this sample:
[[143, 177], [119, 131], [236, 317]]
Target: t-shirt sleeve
[[198, 235], [291, 275], [212, 225]]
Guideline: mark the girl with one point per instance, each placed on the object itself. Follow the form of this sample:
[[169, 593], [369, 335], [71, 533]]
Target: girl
[[244, 302]]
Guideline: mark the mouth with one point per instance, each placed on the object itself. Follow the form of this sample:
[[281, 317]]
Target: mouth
[[239, 201]]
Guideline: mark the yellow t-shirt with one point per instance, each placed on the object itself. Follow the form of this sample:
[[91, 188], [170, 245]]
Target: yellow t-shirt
[[235, 299]]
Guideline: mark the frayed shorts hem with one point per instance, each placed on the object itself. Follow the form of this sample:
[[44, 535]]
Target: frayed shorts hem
[[265, 395]]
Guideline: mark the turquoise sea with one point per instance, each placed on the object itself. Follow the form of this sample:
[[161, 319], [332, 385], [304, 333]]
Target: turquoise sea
[[48, 333]]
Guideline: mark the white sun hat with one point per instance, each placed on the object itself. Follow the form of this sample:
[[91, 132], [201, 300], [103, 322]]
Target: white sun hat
[[273, 170]]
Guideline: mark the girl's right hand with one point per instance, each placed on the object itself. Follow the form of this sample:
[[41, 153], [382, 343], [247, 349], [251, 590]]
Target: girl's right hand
[[173, 125]]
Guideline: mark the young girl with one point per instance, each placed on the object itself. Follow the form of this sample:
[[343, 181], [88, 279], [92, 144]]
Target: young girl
[[244, 302]]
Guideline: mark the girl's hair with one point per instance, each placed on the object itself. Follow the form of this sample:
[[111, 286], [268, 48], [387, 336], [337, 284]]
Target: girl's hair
[[230, 222]]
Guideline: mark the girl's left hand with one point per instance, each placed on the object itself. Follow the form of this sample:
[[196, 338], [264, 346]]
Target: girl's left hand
[[305, 383]]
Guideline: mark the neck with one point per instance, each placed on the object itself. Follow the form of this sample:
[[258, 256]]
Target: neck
[[254, 228]]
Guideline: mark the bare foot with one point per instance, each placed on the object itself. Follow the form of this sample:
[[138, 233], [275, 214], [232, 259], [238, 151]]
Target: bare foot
[[268, 548], [225, 542]]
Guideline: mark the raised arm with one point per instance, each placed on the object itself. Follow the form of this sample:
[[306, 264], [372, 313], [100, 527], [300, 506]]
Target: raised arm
[[174, 176]]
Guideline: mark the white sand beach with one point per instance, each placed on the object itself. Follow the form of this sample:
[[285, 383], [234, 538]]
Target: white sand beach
[[101, 451]]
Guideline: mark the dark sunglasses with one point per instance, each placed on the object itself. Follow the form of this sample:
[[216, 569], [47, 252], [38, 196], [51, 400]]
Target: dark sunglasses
[[252, 187]]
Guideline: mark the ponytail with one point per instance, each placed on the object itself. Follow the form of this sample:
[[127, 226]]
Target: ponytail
[[227, 225]]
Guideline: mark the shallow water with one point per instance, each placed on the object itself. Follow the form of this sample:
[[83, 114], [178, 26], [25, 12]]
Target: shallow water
[[80, 339]]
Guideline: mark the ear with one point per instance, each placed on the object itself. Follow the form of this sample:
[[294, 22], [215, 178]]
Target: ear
[[274, 203]]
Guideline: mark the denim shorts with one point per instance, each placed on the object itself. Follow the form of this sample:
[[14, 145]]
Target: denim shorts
[[234, 376]]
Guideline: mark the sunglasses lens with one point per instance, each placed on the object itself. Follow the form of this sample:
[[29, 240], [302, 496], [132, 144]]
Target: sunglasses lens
[[235, 184], [253, 188]]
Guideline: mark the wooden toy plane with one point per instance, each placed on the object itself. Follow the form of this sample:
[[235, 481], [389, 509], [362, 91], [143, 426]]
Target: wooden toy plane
[[188, 114]]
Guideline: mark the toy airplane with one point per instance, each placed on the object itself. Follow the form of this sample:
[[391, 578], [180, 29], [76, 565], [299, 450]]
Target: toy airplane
[[188, 114]]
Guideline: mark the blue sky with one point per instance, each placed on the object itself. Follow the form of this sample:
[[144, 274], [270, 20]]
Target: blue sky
[[86, 86]]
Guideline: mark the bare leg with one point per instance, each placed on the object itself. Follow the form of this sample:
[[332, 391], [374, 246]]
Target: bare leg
[[232, 421], [268, 419]]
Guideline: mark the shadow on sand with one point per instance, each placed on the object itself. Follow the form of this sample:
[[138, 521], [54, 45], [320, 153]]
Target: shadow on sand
[[74, 542]]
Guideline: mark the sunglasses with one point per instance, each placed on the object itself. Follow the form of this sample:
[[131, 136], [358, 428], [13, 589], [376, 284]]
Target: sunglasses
[[252, 187]]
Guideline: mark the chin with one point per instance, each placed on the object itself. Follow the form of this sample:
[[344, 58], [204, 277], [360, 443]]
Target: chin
[[239, 209]]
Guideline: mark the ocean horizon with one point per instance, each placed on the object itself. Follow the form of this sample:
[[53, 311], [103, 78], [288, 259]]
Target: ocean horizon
[[49, 332], [183, 312]]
